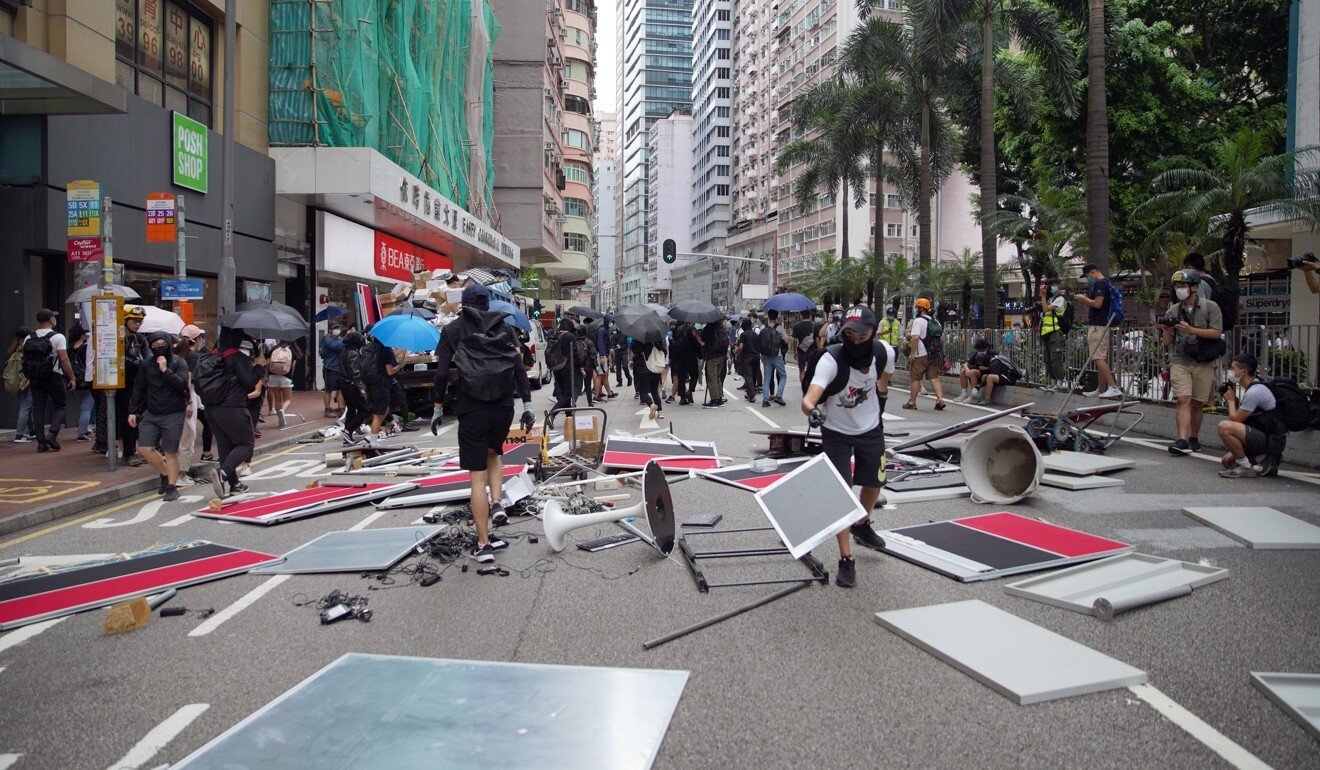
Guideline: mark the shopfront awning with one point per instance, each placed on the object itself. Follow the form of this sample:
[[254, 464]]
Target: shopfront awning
[[32, 82], [362, 185]]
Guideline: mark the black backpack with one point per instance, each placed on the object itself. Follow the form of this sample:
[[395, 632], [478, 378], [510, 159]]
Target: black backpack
[[369, 364], [585, 351], [554, 356], [840, 380], [486, 357], [769, 342], [1066, 317], [213, 380], [1292, 410], [1226, 297], [1006, 369], [38, 357]]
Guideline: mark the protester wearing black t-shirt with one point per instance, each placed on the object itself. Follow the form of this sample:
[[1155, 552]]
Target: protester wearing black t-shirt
[[714, 351], [749, 361]]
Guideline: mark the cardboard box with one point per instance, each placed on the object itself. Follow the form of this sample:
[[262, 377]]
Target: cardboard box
[[520, 436], [582, 428]]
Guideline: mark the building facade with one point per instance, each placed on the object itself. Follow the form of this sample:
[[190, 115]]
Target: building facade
[[655, 79], [669, 154], [605, 178], [712, 116]]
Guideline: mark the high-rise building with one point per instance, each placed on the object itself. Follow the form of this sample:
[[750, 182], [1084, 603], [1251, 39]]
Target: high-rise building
[[655, 79], [607, 291], [669, 211], [712, 107]]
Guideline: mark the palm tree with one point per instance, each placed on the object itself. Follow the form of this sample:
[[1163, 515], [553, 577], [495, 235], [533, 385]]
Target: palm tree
[[964, 271], [1097, 136], [900, 277], [832, 277], [1243, 181], [1048, 227]]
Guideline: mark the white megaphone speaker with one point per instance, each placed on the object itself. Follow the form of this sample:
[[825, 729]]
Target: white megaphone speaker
[[1001, 464], [657, 506]]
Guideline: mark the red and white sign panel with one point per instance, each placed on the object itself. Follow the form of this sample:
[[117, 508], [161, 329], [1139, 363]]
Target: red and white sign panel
[[85, 249]]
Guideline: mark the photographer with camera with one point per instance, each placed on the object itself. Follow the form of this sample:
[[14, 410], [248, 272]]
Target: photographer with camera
[[1252, 428], [1310, 267], [1193, 330]]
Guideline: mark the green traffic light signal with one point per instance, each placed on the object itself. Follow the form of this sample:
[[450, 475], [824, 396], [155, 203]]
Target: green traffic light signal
[[669, 251]]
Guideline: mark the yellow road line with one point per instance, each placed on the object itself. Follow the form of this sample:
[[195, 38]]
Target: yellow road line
[[119, 507]]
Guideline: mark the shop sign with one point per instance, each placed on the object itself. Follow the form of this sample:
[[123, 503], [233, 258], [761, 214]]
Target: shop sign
[[180, 288], [429, 205], [357, 251], [107, 345], [189, 153], [161, 218], [1266, 304], [399, 259], [85, 249]]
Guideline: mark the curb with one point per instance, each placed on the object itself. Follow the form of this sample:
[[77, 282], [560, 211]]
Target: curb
[[64, 508]]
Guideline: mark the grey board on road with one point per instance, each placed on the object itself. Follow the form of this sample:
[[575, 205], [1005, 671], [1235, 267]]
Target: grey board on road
[[1078, 483], [403, 712], [1118, 579], [1259, 527], [368, 550], [1020, 660], [1084, 464], [810, 505], [1297, 694], [925, 495]]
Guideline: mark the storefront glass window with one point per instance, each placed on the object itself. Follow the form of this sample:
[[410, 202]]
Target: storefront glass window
[[150, 19], [163, 50]]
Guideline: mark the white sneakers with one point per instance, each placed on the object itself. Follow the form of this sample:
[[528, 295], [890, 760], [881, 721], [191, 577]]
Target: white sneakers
[[1111, 393]]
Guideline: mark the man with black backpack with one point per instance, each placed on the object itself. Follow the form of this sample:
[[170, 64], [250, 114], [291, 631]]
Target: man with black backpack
[[162, 397], [1254, 428], [482, 352], [771, 342], [1002, 371], [223, 381], [847, 387], [1105, 303], [1193, 330], [376, 365], [561, 359], [353, 391], [50, 377], [684, 352]]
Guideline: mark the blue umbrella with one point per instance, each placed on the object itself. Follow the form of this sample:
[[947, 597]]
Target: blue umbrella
[[513, 316], [420, 312], [407, 332], [790, 302], [334, 311]]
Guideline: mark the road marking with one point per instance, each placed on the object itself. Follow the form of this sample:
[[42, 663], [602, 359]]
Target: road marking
[[147, 513], [160, 736], [361, 525], [7, 760], [213, 622], [19, 491], [1194, 726], [763, 418], [15, 638], [1309, 478], [184, 519]]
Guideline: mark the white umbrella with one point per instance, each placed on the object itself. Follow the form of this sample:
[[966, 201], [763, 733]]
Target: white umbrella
[[159, 320]]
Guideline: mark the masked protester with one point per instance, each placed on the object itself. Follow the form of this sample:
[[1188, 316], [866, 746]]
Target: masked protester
[[162, 398], [224, 381], [331, 352]]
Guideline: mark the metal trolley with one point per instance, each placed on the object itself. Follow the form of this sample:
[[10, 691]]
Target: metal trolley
[[583, 457]]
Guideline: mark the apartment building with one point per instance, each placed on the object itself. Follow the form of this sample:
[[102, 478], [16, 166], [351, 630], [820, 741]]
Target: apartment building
[[607, 285], [670, 150], [712, 108]]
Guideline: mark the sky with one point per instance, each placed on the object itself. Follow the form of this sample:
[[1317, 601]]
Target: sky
[[606, 55]]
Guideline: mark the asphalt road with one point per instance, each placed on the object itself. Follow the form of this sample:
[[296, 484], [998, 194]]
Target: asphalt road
[[810, 680]]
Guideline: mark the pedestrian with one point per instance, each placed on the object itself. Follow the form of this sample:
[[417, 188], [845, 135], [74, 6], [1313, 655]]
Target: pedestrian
[[601, 338], [619, 352], [684, 357], [1253, 429], [479, 352], [891, 329], [804, 333], [749, 361], [925, 349], [647, 367], [771, 343], [50, 378], [586, 358], [564, 366], [82, 389], [353, 391], [331, 351], [1192, 330], [135, 349], [197, 351], [279, 383], [1100, 316], [377, 365], [256, 352], [1055, 323], [162, 400], [713, 343], [830, 331], [224, 381], [850, 414], [17, 383], [975, 368]]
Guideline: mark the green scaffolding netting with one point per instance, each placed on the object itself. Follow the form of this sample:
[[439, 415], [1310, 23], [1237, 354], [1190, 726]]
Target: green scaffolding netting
[[412, 79]]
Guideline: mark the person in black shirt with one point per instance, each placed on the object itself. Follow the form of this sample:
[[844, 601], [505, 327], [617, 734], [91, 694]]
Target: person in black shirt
[[352, 390], [619, 355], [973, 370], [714, 351], [749, 362], [378, 392], [162, 399], [684, 355], [804, 331], [567, 379], [646, 381], [229, 416]]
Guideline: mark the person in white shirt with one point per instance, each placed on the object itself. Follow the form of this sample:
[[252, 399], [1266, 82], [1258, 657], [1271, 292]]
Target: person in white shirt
[[849, 412], [923, 363], [46, 365]]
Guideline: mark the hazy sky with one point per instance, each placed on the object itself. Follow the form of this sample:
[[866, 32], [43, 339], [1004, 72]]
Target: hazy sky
[[606, 76]]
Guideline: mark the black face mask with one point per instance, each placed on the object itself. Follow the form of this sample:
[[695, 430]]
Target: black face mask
[[859, 355], [160, 351]]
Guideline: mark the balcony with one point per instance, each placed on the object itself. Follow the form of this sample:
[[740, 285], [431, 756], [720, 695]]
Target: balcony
[[575, 266]]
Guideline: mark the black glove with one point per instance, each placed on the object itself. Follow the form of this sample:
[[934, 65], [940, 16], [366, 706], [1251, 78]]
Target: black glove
[[527, 420], [815, 418], [436, 419]]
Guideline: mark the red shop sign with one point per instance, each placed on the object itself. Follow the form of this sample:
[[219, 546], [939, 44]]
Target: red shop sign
[[398, 259]]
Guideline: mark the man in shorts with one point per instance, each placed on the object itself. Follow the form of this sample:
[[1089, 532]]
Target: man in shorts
[[923, 363], [162, 399], [1252, 430], [332, 354], [1098, 315], [1191, 323], [851, 422]]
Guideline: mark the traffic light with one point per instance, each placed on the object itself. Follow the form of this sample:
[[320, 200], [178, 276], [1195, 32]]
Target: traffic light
[[536, 307], [669, 251]]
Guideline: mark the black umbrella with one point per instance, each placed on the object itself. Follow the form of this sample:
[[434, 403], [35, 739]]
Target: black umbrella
[[270, 304], [585, 312], [695, 311], [641, 323], [266, 322]]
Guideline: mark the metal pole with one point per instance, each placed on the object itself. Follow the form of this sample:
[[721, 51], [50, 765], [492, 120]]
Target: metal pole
[[228, 272], [723, 616], [107, 277], [181, 258]]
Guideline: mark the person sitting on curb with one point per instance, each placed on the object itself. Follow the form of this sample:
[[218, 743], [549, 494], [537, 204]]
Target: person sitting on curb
[[1001, 372], [975, 368], [1252, 428]]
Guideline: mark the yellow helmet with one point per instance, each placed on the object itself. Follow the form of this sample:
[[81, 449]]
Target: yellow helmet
[[135, 311]]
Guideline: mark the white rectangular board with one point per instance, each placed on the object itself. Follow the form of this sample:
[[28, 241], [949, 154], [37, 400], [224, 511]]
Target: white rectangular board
[[924, 495], [1297, 694], [1020, 660], [1084, 464], [1117, 579], [1078, 483], [1259, 527], [369, 550]]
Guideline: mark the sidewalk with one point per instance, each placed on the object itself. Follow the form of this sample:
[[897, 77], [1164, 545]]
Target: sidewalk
[[38, 487]]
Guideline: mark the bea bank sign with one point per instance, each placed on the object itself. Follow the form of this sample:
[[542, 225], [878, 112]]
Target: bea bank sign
[[399, 259], [355, 251]]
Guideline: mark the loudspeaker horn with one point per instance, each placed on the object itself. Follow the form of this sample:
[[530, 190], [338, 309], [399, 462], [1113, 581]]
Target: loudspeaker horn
[[657, 506], [1001, 464]]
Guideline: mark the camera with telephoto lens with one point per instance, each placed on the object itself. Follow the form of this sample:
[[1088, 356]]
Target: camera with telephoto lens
[[1224, 387], [1296, 262]]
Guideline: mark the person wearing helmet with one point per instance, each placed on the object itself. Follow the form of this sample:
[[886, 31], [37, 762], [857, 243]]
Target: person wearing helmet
[[891, 329], [924, 352], [161, 400], [1193, 329]]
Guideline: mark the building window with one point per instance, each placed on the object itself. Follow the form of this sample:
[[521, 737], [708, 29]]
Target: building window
[[893, 230], [891, 201], [576, 242], [163, 53], [578, 139], [577, 172], [576, 207]]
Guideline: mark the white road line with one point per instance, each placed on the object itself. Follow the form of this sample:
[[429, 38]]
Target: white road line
[[184, 519], [213, 622], [7, 760], [361, 525], [17, 637], [2, 669], [1214, 740], [160, 736], [1309, 478], [763, 418]]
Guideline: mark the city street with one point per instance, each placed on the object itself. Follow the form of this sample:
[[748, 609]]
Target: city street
[[810, 679]]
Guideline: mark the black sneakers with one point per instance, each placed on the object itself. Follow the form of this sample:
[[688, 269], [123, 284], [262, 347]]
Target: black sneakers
[[864, 535], [1180, 448], [498, 517], [483, 553], [218, 483], [171, 493], [238, 488], [847, 575], [164, 485], [1194, 443], [54, 442], [779, 400]]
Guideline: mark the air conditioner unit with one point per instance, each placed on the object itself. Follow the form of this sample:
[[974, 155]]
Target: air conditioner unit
[[550, 92], [549, 146]]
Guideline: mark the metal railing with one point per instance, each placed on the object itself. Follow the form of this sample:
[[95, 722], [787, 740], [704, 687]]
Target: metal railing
[[1139, 358]]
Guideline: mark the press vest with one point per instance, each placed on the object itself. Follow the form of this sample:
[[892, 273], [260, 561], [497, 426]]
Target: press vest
[[1049, 322], [891, 331]]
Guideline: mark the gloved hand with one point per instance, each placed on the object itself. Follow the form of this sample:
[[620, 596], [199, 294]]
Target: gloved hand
[[528, 419], [436, 419], [816, 418]]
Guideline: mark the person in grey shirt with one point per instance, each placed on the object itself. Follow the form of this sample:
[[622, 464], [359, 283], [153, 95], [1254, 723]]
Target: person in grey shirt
[[1192, 322], [1252, 430]]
